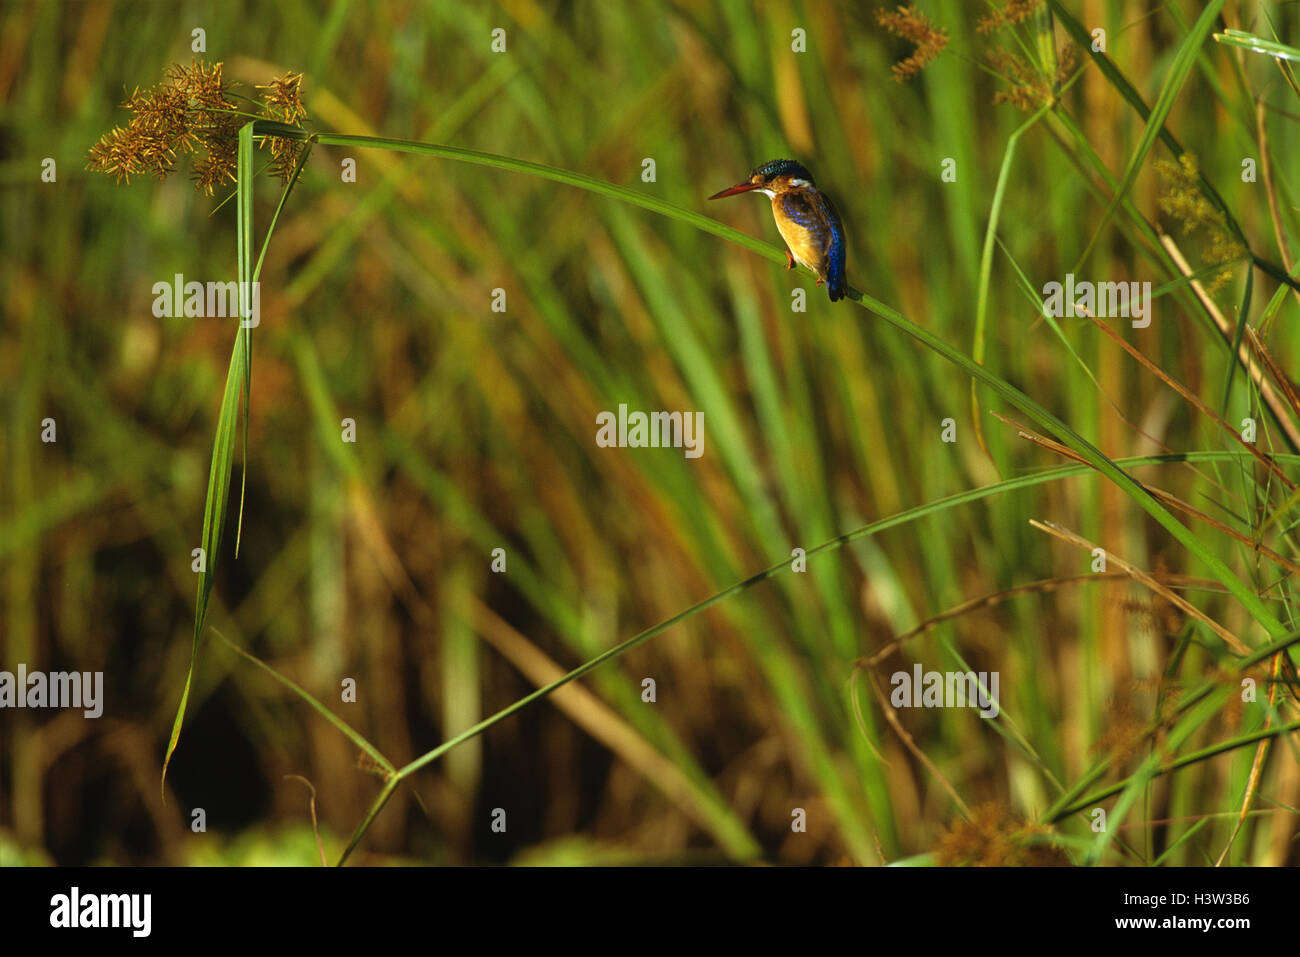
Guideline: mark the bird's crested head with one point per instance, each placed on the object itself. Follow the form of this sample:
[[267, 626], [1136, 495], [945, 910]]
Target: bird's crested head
[[779, 175]]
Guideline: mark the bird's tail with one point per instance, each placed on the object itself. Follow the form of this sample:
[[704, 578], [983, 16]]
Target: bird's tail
[[836, 286]]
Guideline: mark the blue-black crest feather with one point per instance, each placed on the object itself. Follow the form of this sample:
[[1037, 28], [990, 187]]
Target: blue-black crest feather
[[783, 167]]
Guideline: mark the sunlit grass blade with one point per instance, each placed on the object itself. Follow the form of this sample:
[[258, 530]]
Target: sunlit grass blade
[[214, 513], [986, 258], [580, 180], [238, 387], [1248, 41], [1243, 316], [244, 259]]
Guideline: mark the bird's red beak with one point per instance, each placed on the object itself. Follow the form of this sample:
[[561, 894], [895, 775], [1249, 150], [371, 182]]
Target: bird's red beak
[[744, 187]]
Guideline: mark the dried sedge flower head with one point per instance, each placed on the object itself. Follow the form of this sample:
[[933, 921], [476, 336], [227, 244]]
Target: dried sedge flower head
[[1268, 685], [368, 764], [1147, 614], [1029, 86], [993, 837], [1015, 11], [1136, 709], [1156, 616], [283, 102], [907, 23], [283, 98], [1181, 198], [1067, 56], [191, 111], [1234, 707]]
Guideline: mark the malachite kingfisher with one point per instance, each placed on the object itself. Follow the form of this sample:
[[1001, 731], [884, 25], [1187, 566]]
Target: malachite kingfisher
[[805, 217]]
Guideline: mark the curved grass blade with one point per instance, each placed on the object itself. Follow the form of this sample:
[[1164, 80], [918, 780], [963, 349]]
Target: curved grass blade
[[214, 513], [1069, 437], [256, 275], [1258, 610], [901, 518], [346, 729], [555, 174], [1237, 336], [986, 259], [244, 257]]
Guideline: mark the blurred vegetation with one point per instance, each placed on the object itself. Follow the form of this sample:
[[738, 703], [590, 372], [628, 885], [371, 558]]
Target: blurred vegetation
[[475, 431]]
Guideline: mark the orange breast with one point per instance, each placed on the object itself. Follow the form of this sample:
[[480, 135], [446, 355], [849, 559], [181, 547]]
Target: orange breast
[[804, 244]]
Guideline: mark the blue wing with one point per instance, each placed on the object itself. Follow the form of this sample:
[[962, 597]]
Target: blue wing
[[800, 207], [835, 252], [818, 226]]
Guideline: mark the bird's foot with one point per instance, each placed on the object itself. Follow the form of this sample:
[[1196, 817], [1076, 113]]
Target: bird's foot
[[789, 260], [819, 280]]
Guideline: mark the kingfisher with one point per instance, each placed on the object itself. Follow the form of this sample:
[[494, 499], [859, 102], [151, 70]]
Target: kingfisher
[[813, 233]]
